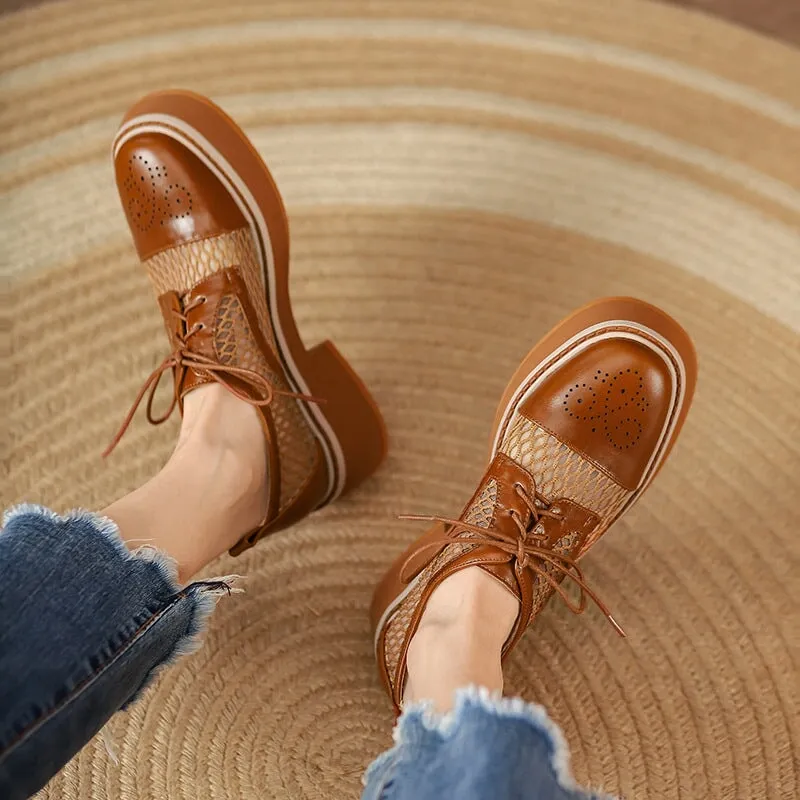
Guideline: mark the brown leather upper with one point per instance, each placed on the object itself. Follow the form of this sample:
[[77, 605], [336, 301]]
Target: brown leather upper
[[199, 254], [571, 456], [526, 544], [169, 195], [608, 403], [508, 478]]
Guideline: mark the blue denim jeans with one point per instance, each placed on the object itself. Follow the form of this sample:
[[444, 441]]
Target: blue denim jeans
[[85, 623]]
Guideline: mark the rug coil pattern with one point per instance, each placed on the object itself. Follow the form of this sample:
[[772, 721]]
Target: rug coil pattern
[[459, 175]]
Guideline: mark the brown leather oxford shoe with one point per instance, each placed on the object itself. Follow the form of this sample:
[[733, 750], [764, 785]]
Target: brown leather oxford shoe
[[583, 427], [210, 228]]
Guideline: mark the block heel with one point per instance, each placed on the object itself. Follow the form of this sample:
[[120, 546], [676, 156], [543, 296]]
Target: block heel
[[350, 411]]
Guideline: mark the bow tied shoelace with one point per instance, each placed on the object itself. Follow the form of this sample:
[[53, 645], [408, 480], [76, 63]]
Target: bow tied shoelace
[[525, 548], [182, 358]]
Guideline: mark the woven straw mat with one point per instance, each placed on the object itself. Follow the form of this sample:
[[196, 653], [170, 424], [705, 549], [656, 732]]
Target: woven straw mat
[[459, 176]]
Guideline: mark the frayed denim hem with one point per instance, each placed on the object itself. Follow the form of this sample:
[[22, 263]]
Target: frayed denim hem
[[203, 594], [419, 720], [86, 625]]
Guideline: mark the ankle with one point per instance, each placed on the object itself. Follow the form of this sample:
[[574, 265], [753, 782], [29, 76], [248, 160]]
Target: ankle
[[460, 638], [222, 442], [211, 492], [471, 601], [444, 657], [226, 477], [206, 497], [214, 416]]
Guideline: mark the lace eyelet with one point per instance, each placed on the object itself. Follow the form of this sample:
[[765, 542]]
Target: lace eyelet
[[200, 326], [202, 298]]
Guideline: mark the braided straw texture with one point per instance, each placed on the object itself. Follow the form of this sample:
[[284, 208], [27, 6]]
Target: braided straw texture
[[459, 175]]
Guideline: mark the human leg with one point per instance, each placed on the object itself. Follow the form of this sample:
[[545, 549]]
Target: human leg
[[84, 623], [90, 605], [583, 427], [211, 492], [485, 748]]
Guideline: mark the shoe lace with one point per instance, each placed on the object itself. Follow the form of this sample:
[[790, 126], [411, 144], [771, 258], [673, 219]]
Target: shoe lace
[[525, 548], [182, 357]]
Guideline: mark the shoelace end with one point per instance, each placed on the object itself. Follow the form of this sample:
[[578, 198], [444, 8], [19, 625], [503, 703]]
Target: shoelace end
[[617, 627]]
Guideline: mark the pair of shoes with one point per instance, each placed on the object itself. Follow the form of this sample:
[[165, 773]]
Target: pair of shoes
[[584, 425]]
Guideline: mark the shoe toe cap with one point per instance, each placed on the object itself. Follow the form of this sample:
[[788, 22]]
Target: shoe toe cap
[[169, 195], [611, 402]]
